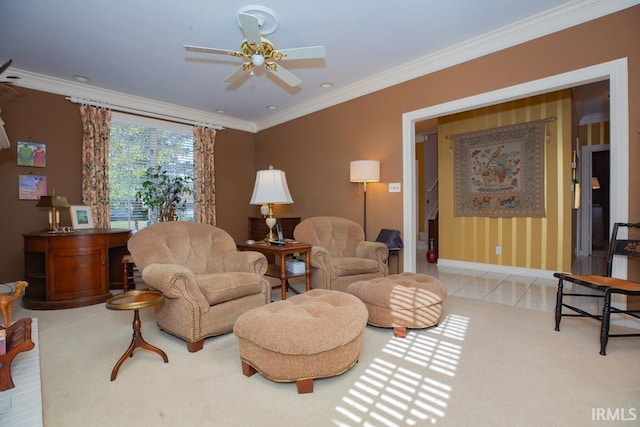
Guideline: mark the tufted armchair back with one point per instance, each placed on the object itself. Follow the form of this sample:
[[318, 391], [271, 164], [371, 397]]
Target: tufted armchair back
[[197, 246], [339, 253], [339, 236]]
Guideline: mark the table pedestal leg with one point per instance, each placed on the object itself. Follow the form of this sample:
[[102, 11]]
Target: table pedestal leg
[[137, 341]]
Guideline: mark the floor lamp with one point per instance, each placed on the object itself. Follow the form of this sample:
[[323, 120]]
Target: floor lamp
[[365, 171], [270, 188]]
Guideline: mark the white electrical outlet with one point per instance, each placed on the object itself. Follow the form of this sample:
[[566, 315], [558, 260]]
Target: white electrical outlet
[[395, 187], [498, 250]]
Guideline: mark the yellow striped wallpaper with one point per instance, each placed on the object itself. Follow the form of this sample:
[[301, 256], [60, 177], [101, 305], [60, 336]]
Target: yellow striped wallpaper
[[539, 243]]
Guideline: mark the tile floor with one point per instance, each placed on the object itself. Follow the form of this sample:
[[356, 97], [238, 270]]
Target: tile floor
[[519, 291]]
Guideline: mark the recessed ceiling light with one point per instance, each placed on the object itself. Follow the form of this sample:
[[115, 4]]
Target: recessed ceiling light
[[326, 85], [220, 111], [272, 107], [81, 79]]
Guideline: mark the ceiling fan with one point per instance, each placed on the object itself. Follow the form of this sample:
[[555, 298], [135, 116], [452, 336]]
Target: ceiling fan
[[6, 84], [258, 51], [4, 139]]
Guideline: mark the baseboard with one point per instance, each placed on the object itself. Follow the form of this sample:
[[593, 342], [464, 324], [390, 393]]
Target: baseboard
[[519, 271]]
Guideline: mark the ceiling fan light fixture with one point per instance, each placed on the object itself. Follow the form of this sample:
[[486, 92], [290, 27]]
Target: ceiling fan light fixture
[[257, 59]]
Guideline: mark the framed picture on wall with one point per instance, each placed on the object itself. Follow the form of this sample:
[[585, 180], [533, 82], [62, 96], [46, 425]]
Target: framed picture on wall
[[31, 187], [81, 217], [32, 154]]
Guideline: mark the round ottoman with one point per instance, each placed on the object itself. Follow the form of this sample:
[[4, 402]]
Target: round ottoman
[[317, 334], [401, 301]]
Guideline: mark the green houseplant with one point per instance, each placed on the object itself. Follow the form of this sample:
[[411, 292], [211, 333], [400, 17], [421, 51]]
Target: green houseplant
[[163, 193]]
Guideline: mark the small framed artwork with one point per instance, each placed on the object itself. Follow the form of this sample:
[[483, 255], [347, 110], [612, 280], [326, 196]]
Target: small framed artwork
[[32, 154], [81, 217], [31, 187]]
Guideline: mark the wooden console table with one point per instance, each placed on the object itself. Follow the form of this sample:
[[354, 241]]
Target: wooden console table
[[74, 269]]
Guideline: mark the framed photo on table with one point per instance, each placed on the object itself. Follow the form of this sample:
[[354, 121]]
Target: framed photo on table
[[81, 217]]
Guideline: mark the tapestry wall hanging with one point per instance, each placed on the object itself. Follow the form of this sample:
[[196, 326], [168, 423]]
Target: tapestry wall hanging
[[499, 172]]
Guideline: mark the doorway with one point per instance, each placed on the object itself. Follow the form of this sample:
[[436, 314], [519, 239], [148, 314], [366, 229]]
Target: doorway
[[615, 71]]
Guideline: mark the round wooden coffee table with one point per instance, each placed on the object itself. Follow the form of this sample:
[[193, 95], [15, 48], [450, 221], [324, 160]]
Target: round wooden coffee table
[[135, 300]]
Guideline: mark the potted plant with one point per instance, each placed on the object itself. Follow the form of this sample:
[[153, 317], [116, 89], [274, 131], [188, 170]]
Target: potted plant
[[163, 193]]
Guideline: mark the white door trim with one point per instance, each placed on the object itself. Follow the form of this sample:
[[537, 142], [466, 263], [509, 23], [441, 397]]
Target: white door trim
[[615, 71]]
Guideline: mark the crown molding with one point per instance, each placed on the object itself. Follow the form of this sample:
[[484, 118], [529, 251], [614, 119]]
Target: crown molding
[[95, 94], [551, 21], [559, 18]]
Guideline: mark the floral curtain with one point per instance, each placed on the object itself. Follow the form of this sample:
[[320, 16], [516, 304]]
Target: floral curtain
[[96, 123], [204, 184]]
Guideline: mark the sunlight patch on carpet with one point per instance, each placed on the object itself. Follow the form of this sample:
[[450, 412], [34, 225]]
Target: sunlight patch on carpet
[[409, 383]]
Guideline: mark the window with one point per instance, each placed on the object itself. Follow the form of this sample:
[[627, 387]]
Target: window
[[138, 143]]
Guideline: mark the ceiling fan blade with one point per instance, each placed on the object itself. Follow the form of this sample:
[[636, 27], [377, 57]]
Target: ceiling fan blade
[[200, 49], [311, 52], [283, 74], [250, 27], [5, 66], [240, 72]]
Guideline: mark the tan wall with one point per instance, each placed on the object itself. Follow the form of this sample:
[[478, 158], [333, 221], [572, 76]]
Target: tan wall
[[43, 117], [315, 150], [540, 243]]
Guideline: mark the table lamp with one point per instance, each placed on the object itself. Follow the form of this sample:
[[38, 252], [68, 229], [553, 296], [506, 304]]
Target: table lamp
[[54, 203], [365, 171], [270, 189]]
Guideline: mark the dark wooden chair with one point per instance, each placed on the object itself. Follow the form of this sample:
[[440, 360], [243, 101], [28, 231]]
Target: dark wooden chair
[[605, 287]]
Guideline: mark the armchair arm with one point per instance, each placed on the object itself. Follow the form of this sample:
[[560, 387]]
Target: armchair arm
[[373, 250], [321, 259], [175, 281], [246, 261]]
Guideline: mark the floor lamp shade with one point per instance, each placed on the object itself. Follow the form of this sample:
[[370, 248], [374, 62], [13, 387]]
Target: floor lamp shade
[[364, 171]]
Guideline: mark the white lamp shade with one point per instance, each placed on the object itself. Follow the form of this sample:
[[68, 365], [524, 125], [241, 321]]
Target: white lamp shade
[[271, 187], [365, 171]]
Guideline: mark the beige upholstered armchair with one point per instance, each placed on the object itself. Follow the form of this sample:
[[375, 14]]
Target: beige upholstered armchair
[[206, 282], [340, 255]]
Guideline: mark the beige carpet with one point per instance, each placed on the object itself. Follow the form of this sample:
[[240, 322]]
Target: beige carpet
[[484, 365]]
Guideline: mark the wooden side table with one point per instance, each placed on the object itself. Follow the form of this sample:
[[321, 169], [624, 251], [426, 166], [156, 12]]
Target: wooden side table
[[279, 269], [135, 300]]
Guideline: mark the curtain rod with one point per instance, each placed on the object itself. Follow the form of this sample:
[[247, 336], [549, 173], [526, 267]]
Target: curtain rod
[[548, 119], [77, 100]]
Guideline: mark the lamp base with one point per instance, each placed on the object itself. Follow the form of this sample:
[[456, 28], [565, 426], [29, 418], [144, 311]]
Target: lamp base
[[271, 222]]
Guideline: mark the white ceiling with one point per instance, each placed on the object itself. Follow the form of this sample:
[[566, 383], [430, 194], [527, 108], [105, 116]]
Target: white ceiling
[[135, 48]]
